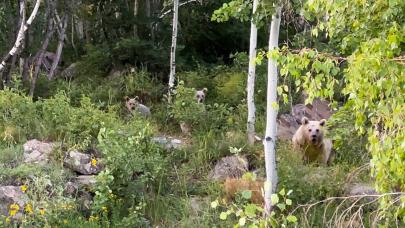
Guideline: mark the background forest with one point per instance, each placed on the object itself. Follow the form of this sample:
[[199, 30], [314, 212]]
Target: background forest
[[72, 155]]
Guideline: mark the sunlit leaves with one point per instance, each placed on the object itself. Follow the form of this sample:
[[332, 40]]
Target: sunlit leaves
[[238, 9]]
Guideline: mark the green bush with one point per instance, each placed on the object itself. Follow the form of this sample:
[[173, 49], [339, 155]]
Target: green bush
[[132, 163], [76, 125], [309, 182], [18, 117], [185, 107], [349, 146]]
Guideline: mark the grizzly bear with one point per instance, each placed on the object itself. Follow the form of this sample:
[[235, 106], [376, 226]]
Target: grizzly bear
[[310, 142], [133, 104], [200, 95], [233, 186]]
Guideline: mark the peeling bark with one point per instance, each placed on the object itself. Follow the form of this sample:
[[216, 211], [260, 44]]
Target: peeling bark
[[271, 115], [251, 80], [173, 47], [21, 33]]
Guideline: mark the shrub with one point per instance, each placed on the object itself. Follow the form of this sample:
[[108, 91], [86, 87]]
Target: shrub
[[185, 107], [18, 117], [349, 146], [132, 162], [77, 125]]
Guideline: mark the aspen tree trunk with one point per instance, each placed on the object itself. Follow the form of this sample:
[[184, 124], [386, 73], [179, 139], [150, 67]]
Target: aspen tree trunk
[[136, 6], [60, 47], [173, 47], [20, 37], [251, 80], [271, 117]]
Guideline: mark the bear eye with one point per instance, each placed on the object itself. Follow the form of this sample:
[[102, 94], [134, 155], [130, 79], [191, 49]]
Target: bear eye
[[310, 130], [317, 130]]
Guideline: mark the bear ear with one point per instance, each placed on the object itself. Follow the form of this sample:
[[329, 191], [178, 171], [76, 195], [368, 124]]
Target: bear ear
[[136, 98], [322, 122], [205, 90], [304, 120], [126, 98]]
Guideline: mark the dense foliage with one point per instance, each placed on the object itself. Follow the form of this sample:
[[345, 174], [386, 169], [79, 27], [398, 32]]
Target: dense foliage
[[350, 53]]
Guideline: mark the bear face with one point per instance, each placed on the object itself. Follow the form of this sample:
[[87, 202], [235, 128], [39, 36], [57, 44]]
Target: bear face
[[200, 95], [134, 105], [131, 103], [313, 131]]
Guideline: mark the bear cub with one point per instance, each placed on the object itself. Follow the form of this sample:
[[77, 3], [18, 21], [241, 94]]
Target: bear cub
[[200, 95], [133, 104], [309, 141]]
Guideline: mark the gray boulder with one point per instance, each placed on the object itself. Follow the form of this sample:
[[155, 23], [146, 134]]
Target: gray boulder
[[361, 189], [37, 152], [168, 142], [86, 181], [229, 167], [12, 195], [81, 163]]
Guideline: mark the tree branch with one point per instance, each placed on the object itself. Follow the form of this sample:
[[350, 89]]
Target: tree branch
[[181, 4], [24, 27]]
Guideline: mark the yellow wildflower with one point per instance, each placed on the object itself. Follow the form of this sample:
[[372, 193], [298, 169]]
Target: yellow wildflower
[[28, 209], [93, 218], [105, 209], [93, 162], [24, 188], [8, 220], [42, 211], [65, 221], [14, 208]]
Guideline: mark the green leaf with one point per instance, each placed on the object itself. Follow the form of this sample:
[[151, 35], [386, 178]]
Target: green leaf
[[274, 199], [282, 192], [288, 202], [292, 219], [247, 194], [281, 206], [250, 210]]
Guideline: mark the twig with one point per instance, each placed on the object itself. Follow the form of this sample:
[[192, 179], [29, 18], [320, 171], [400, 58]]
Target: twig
[[181, 4], [339, 217]]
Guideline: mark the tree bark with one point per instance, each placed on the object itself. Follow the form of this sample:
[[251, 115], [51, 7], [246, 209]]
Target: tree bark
[[40, 54], [136, 7], [173, 47], [60, 47], [271, 115], [24, 27], [7, 72], [251, 80]]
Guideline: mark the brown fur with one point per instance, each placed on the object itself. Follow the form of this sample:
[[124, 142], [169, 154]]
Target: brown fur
[[310, 142], [233, 186], [133, 104]]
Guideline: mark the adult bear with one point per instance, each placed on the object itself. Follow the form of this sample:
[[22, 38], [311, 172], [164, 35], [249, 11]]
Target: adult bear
[[310, 142]]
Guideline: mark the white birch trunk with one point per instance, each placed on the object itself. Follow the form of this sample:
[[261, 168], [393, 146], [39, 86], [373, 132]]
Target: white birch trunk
[[135, 15], [271, 118], [20, 37], [251, 80], [173, 47], [59, 49]]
